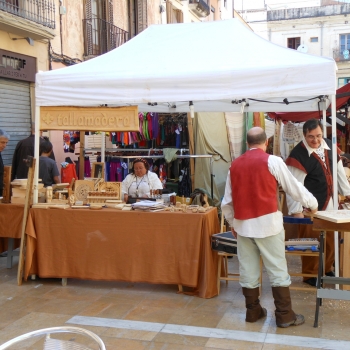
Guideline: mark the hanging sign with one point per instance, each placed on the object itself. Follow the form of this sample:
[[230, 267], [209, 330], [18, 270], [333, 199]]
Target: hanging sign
[[89, 118]]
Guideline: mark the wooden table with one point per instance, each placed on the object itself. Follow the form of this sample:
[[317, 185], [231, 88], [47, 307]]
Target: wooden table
[[323, 226], [11, 216], [107, 244]]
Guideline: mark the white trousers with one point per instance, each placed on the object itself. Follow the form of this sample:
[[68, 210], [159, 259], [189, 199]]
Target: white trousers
[[272, 251]]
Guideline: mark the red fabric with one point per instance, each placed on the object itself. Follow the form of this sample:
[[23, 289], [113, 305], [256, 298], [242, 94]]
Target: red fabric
[[254, 189], [303, 116], [68, 173]]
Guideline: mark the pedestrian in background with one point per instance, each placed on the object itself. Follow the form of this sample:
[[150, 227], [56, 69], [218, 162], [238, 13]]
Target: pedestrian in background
[[24, 149], [4, 139]]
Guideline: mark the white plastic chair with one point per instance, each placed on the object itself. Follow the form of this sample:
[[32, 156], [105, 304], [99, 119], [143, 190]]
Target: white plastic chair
[[57, 344]]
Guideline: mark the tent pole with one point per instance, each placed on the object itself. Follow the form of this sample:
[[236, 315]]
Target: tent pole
[[36, 153], [335, 182], [103, 148], [81, 156], [324, 123]]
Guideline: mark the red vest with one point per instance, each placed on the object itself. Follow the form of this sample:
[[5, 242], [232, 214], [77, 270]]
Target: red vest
[[254, 189]]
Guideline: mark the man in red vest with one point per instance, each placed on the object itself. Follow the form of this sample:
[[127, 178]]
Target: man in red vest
[[250, 205]]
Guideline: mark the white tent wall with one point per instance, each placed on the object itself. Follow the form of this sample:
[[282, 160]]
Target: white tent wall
[[211, 138]]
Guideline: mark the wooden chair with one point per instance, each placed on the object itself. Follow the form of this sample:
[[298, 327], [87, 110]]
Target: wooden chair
[[223, 256]]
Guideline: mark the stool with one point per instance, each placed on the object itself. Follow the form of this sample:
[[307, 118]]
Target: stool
[[307, 221], [224, 256]]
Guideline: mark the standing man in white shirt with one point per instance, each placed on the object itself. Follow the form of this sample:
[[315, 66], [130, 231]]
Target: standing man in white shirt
[[250, 205], [311, 163]]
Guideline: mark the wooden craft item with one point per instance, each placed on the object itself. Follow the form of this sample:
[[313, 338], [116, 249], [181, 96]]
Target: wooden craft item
[[98, 170], [82, 187], [337, 216], [6, 191], [110, 187], [48, 194]]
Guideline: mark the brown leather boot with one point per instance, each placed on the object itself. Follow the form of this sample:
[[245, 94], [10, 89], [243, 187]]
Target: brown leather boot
[[285, 316], [252, 303]]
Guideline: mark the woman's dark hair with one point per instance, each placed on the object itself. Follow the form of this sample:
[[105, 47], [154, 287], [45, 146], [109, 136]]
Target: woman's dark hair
[[45, 147], [139, 160], [311, 124]]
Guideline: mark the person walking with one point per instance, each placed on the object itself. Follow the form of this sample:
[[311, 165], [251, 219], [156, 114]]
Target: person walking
[[250, 205], [310, 161], [4, 139]]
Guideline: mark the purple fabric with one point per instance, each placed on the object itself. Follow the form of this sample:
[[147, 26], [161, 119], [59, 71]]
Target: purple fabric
[[113, 171], [155, 125], [87, 168]]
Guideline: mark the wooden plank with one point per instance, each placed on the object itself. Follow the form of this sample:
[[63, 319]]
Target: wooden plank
[[29, 192]]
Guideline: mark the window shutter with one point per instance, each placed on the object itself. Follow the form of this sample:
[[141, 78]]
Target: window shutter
[[179, 16], [109, 11], [169, 12], [88, 9], [110, 33], [141, 15], [88, 28]]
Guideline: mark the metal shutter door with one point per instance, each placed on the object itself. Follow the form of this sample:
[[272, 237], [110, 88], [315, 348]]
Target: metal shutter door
[[15, 113]]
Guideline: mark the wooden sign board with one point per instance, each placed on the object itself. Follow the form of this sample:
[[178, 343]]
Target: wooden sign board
[[89, 118], [337, 216]]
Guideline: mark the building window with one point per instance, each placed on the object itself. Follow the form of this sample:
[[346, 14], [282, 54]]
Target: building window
[[343, 81], [293, 43], [137, 16], [314, 39], [344, 42], [173, 15]]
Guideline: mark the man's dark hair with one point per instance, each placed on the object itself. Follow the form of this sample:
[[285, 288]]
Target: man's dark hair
[[45, 147], [311, 124], [256, 139]]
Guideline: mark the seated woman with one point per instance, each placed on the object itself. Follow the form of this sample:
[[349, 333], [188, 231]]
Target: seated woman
[[140, 181], [48, 171]]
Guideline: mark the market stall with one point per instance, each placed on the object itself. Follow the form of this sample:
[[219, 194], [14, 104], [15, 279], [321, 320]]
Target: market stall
[[209, 73]]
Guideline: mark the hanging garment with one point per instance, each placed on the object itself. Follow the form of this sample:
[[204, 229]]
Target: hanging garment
[[68, 173]]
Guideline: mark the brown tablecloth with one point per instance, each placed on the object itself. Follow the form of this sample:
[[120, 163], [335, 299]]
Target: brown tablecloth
[[11, 216], [160, 247]]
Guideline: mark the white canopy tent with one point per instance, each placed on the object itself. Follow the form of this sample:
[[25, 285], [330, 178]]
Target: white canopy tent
[[219, 66], [209, 63]]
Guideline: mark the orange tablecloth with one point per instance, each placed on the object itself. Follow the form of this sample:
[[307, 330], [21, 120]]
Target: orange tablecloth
[[11, 216], [160, 247]]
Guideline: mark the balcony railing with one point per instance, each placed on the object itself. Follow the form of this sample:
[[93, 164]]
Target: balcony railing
[[199, 7], [341, 55], [101, 36], [38, 11]]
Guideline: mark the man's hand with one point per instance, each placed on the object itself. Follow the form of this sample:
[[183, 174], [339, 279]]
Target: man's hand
[[347, 198], [298, 215], [234, 232], [313, 211]]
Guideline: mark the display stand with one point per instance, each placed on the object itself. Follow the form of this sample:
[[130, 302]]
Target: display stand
[[323, 226]]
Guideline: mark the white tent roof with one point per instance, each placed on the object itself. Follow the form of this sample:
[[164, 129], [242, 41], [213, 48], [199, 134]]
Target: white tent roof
[[209, 63]]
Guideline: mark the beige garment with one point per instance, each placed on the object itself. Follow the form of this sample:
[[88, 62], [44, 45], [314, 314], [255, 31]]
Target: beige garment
[[211, 138]]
